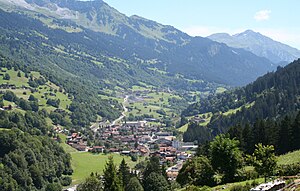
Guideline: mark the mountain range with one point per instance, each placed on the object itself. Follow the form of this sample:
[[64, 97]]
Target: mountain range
[[259, 45], [142, 45]]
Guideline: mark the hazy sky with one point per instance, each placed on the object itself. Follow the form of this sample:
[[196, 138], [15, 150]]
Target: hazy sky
[[278, 19]]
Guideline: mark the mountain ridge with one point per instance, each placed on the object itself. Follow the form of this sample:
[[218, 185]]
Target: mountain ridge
[[140, 40], [260, 45]]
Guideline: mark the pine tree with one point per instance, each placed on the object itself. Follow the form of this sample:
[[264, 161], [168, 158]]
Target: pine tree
[[124, 173], [134, 185], [164, 171], [92, 183], [295, 131], [248, 139], [152, 166], [284, 136], [156, 182], [111, 179]]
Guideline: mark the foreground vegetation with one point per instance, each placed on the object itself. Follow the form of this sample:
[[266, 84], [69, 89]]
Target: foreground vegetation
[[84, 163], [29, 157]]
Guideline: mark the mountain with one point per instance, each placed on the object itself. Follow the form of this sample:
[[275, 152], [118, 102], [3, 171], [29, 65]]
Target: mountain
[[271, 97], [260, 45], [146, 45]]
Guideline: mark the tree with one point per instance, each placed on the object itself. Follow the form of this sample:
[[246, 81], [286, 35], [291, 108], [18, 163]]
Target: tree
[[111, 180], [6, 76], [152, 166], [197, 171], [284, 142], [134, 185], [92, 183], [264, 160], [226, 157], [124, 172], [156, 182], [32, 98], [19, 74], [53, 187], [1, 102], [296, 133]]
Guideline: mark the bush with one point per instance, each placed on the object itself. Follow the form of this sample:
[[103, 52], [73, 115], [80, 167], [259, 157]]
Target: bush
[[246, 187], [66, 180], [6, 76], [289, 170]]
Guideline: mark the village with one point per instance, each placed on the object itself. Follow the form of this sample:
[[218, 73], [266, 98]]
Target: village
[[137, 139]]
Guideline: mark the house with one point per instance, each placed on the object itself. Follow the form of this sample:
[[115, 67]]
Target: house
[[80, 147], [7, 108], [125, 153], [114, 150], [98, 149], [173, 171], [136, 123]]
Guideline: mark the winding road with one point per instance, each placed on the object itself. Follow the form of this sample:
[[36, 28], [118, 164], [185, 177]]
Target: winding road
[[123, 113]]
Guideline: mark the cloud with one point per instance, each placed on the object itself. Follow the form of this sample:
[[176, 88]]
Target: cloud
[[262, 15]]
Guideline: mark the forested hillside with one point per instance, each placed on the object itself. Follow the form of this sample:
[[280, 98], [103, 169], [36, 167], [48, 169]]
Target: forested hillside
[[130, 50], [271, 97], [29, 158]]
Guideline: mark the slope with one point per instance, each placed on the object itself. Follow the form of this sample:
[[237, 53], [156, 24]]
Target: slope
[[272, 97], [260, 45], [105, 32]]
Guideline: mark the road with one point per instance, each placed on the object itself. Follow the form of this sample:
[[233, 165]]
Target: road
[[123, 113], [96, 125]]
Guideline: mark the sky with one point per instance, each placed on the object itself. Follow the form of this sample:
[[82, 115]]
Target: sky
[[278, 19]]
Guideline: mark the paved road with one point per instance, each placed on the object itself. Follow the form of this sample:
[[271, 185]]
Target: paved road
[[123, 113]]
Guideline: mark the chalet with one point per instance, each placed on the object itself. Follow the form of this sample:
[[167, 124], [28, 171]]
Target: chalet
[[144, 139], [198, 119], [125, 153], [136, 123], [7, 108], [172, 175], [183, 156], [114, 150], [80, 147], [97, 149], [163, 142], [151, 119], [173, 171], [144, 151], [165, 135]]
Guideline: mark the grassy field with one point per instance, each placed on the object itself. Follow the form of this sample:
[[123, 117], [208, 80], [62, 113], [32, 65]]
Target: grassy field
[[220, 90], [14, 79], [65, 146], [49, 90], [289, 158], [227, 187], [4, 129], [151, 102], [183, 128], [233, 111], [84, 163], [207, 116]]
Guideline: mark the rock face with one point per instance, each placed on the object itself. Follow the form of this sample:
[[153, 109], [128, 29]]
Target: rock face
[[260, 45]]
